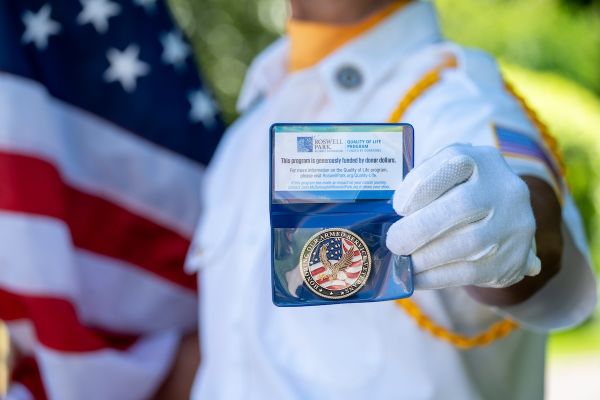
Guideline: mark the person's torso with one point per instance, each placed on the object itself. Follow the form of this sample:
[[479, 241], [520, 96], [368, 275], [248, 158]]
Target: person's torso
[[254, 350]]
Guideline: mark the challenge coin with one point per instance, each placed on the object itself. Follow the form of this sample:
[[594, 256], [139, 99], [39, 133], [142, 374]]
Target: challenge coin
[[335, 263]]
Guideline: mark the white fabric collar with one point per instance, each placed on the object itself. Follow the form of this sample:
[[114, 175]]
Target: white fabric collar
[[372, 55]]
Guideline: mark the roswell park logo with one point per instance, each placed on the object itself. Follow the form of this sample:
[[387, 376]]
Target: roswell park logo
[[335, 263], [305, 144], [310, 144]]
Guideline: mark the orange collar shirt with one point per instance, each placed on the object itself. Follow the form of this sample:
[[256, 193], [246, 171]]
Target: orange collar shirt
[[397, 68]]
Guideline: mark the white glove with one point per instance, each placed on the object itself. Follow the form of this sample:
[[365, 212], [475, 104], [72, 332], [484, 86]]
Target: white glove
[[467, 221]]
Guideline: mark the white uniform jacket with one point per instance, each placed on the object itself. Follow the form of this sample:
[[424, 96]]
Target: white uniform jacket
[[254, 350]]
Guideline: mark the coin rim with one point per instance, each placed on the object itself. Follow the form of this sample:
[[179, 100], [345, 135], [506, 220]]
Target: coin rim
[[369, 261]]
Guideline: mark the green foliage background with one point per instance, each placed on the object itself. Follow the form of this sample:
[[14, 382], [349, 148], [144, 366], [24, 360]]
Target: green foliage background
[[549, 49]]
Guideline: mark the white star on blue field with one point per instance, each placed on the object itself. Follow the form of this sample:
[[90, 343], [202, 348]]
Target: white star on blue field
[[39, 26]]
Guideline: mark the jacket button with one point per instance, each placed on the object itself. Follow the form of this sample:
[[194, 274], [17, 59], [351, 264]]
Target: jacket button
[[348, 77]]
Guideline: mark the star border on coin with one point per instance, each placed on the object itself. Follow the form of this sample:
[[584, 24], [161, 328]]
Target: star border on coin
[[310, 282]]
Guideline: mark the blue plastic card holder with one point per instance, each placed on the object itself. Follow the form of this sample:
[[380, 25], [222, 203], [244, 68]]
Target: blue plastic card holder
[[331, 207]]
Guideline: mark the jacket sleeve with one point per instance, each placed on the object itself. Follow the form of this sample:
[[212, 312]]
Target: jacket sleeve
[[473, 104]]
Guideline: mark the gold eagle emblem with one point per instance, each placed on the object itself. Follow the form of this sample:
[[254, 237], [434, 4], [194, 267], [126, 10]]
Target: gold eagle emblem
[[339, 266]]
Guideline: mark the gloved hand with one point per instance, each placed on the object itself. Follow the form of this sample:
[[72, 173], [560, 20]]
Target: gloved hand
[[467, 221]]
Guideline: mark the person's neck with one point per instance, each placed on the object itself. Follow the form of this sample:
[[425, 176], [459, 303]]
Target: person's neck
[[335, 11]]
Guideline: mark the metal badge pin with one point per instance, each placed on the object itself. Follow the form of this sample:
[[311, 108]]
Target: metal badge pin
[[348, 77]]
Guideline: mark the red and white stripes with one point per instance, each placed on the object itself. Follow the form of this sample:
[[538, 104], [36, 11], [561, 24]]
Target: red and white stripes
[[95, 223]]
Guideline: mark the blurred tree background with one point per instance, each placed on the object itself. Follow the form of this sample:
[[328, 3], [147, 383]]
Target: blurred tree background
[[549, 49]]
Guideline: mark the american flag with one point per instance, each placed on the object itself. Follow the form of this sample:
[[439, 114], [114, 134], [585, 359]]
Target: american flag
[[336, 248], [105, 129]]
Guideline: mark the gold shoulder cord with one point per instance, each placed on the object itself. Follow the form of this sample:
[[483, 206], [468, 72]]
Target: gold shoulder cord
[[505, 326], [541, 127]]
